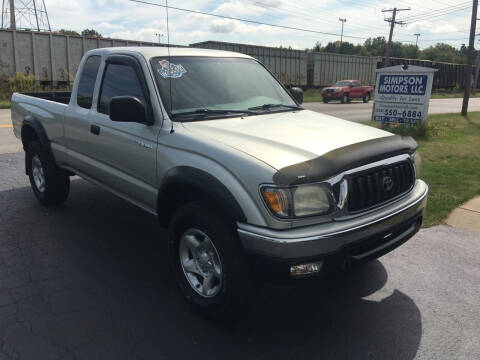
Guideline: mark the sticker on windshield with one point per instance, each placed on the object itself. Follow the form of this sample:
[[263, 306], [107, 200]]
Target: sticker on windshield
[[169, 70]]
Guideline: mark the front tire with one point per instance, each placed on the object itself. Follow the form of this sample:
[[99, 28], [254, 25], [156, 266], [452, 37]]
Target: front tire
[[207, 261], [50, 184], [325, 100], [366, 98], [345, 99]]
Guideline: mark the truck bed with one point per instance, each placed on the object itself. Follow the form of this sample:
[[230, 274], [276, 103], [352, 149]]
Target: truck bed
[[57, 96]]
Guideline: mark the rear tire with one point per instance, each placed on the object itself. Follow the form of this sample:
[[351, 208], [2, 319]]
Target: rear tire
[[345, 99], [203, 245], [366, 98], [50, 184]]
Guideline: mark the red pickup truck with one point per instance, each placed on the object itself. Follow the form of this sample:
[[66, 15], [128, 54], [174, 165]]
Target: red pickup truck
[[345, 90]]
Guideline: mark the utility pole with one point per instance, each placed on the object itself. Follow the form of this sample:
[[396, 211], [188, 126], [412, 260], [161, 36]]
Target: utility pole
[[13, 26], [343, 21], [467, 81], [416, 44], [392, 22]]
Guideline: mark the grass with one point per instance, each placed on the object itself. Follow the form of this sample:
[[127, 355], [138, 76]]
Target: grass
[[450, 151], [315, 95], [4, 104]]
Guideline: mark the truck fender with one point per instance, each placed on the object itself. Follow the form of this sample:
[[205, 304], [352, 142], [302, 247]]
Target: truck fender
[[184, 183], [32, 129]]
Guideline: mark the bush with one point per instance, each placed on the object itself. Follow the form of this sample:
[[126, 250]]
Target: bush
[[22, 83], [423, 130]]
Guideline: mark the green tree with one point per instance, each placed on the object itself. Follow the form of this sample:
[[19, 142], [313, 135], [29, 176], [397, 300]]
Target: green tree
[[444, 52], [68, 32], [91, 33]]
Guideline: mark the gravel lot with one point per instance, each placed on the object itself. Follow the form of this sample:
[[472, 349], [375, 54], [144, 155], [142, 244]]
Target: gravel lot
[[90, 281]]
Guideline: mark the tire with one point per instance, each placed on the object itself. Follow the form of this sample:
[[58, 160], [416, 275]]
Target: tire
[[345, 99], [366, 98], [229, 290], [50, 184], [325, 100]]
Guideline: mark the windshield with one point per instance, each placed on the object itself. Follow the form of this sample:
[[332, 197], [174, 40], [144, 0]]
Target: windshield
[[219, 84], [342, 83]]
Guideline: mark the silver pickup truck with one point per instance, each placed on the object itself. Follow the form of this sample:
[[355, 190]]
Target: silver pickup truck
[[249, 184]]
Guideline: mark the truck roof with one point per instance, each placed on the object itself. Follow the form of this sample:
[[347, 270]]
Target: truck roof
[[153, 51]]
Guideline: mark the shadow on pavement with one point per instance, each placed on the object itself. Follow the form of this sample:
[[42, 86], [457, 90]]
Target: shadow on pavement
[[90, 281]]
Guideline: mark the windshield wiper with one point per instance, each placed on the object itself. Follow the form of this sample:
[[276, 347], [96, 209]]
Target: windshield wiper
[[200, 112], [269, 106]]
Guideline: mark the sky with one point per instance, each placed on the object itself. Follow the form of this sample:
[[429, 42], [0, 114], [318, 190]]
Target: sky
[[433, 19]]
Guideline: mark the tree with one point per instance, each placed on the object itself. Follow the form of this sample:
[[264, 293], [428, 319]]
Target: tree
[[68, 32], [317, 47], [91, 33], [444, 52]]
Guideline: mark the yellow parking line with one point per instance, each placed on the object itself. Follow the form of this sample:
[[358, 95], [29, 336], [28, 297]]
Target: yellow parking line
[[5, 126]]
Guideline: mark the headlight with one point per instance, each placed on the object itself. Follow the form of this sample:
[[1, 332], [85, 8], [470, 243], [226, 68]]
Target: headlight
[[417, 162], [298, 201]]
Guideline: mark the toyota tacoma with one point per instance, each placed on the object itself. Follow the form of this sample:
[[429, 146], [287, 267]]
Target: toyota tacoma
[[249, 184]]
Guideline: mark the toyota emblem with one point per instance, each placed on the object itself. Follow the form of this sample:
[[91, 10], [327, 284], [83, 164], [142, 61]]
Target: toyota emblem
[[387, 183]]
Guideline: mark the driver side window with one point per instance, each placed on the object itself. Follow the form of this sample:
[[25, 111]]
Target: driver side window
[[119, 80]]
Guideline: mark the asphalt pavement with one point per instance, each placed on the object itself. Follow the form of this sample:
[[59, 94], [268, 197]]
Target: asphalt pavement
[[90, 280], [360, 112]]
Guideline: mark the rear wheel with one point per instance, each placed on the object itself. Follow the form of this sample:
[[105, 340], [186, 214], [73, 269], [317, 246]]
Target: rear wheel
[[207, 261], [366, 98], [50, 184], [345, 99]]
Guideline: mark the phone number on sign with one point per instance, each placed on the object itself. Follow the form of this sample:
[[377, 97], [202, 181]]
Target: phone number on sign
[[402, 114]]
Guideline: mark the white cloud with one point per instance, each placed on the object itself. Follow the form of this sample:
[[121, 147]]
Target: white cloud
[[125, 19]]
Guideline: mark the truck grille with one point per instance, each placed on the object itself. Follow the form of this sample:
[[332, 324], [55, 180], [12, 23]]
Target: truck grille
[[379, 185]]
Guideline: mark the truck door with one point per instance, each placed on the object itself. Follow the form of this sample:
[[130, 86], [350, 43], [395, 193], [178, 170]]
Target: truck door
[[356, 90], [77, 116], [125, 152]]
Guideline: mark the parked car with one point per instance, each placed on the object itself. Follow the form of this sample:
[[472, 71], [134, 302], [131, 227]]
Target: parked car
[[346, 90], [251, 186]]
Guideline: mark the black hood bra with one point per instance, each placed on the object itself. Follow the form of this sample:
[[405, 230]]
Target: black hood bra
[[343, 159]]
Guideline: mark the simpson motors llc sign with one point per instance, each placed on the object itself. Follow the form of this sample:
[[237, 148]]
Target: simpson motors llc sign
[[402, 94]]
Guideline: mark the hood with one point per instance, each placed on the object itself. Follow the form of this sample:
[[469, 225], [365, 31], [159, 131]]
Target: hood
[[286, 138]]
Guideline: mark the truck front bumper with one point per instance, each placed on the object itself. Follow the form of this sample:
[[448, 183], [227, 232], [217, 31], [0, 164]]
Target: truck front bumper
[[352, 239]]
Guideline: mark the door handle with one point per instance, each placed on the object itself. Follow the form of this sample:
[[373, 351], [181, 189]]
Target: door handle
[[95, 129]]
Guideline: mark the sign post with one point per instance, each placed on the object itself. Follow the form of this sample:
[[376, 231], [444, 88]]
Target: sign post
[[402, 94]]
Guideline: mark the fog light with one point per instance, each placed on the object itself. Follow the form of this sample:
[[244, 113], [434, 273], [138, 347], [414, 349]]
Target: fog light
[[306, 269]]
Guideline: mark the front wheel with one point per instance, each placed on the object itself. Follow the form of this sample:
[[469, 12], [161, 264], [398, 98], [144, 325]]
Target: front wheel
[[325, 100], [207, 261], [345, 99], [50, 184], [366, 98]]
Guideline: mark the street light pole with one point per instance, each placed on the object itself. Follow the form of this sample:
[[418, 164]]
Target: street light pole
[[343, 21], [159, 35]]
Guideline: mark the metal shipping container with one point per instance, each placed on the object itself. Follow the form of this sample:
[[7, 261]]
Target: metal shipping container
[[51, 58], [326, 68], [289, 66]]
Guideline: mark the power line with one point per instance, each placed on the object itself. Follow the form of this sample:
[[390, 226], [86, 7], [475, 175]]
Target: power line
[[246, 20]]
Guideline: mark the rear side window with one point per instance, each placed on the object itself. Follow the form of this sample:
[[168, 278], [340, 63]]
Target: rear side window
[[87, 82], [119, 80]]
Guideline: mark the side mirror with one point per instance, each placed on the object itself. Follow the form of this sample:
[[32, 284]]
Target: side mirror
[[127, 109], [297, 94]]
